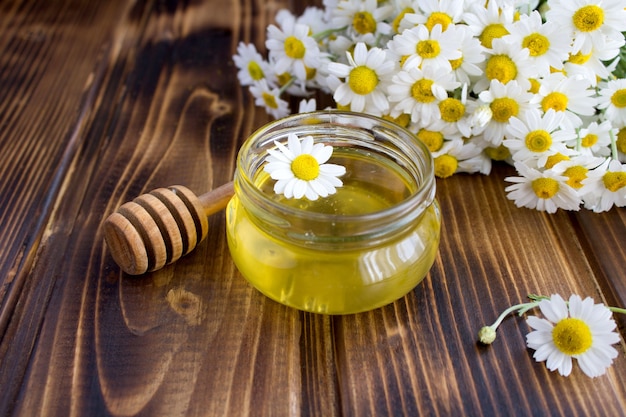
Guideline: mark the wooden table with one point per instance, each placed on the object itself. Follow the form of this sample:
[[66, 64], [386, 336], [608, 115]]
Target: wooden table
[[103, 100]]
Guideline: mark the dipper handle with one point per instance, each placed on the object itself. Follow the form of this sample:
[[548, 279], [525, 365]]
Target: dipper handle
[[159, 227]]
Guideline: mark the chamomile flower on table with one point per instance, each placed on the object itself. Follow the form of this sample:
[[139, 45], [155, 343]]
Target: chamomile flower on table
[[418, 92], [612, 100], [572, 96], [605, 186], [458, 156], [430, 13], [591, 65], [594, 139], [548, 44], [251, 65], [364, 80], [468, 66], [534, 137], [578, 329], [504, 102], [506, 62], [269, 98], [541, 190], [300, 169], [419, 46], [489, 22], [365, 19], [291, 49], [589, 20]]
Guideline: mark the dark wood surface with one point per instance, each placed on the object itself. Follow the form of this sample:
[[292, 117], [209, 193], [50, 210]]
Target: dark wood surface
[[103, 100]]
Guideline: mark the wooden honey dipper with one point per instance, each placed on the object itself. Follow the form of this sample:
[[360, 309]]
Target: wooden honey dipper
[[159, 227]]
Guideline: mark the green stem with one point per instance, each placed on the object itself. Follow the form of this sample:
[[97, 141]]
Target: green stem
[[325, 33], [617, 310], [521, 308], [613, 145]]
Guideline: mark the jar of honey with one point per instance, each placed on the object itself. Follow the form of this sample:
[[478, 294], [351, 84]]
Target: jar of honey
[[363, 246]]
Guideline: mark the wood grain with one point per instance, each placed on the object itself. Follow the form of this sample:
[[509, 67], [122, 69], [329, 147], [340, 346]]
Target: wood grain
[[103, 101]]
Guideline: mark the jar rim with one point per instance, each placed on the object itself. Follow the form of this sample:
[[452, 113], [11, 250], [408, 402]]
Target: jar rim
[[412, 206]]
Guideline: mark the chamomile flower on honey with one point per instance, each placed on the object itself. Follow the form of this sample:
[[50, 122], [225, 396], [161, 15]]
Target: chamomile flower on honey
[[418, 92], [548, 44], [613, 100], [605, 186], [251, 65], [365, 79], [301, 170], [589, 20], [269, 98], [419, 47], [541, 190], [536, 136], [578, 329], [291, 49], [571, 96], [504, 102]]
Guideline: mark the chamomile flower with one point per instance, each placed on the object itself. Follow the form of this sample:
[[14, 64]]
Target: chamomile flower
[[301, 170], [613, 100], [365, 19], [578, 329], [490, 21], [547, 44], [251, 65], [419, 47], [605, 186], [445, 13], [418, 92], [504, 102], [467, 67], [571, 96], [454, 116], [365, 79], [458, 156], [506, 62], [541, 190], [291, 49], [536, 136], [594, 139], [591, 65], [306, 106], [589, 20], [576, 169], [269, 98]]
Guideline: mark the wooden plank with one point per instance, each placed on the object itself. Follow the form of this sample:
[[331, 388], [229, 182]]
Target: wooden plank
[[419, 356]]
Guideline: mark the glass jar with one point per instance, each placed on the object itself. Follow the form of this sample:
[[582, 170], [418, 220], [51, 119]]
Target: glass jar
[[363, 247]]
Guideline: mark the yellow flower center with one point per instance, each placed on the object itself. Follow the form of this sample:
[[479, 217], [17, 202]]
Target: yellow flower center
[[621, 140], [456, 63], [310, 72], [403, 120], [305, 167], [396, 22], [572, 336], [445, 165], [545, 187], [536, 43], [294, 48], [364, 22], [283, 78], [588, 18], [555, 159], [491, 32], [555, 100], [501, 68], [432, 139], [422, 91], [614, 181], [579, 58], [534, 85], [270, 100], [503, 109], [428, 49], [575, 176], [619, 98], [589, 140], [255, 71], [538, 140], [500, 153], [452, 110], [363, 80], [438, 18]]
